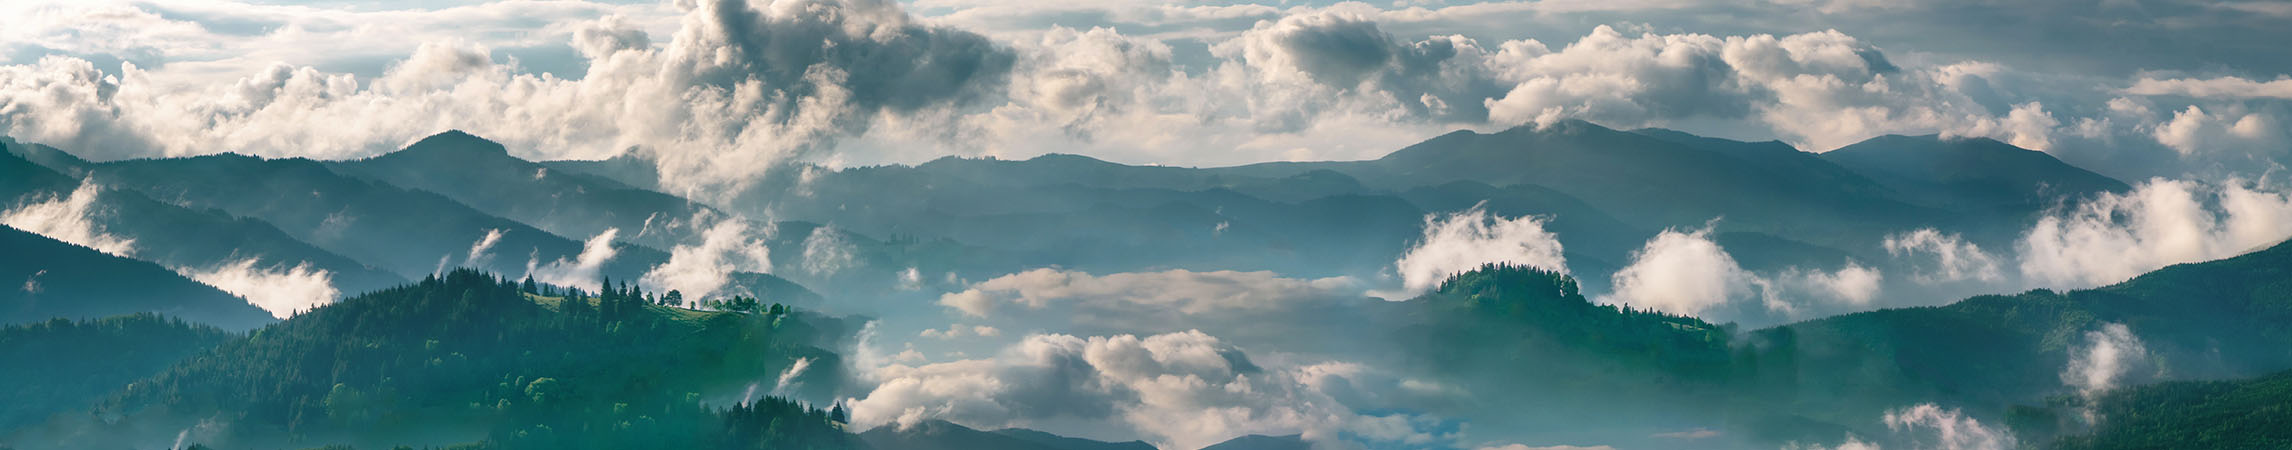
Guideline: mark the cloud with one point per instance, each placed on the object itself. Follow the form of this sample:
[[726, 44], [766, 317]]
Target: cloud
[[1463, 241], [2193, 131], [70, 219], [787, 383], [1853, 284], [1687, 273], [2115, 237], [2109, 354], [701, 270], [1682, 273], [32, 283], [1185, 291], [283, 292], [826, 253], [1178, 390], [738, 88], [758, 84], [953, 332], [1339, 51], [1554, 447], [582, 270], [2223, 87], [481, 252], [1953, 259], [1852, 443], [1932, 427]]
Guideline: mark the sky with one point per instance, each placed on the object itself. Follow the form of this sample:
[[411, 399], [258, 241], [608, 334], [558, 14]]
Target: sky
[[2168, 95], [2130, 88]]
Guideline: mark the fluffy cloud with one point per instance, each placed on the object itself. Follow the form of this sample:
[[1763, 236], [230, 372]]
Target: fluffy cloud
[[1554, 447], [1185, 291], [2193, 131], [581, 271], [1854, 284], [2162, 222], [956, 331], [826, 253], [700, 270], [2109, 354], [1336, 51], [69, 219], [738, 88], [283, 292], [1459, 242], [1178, 390], [1681, 273], [1933, 427], [1953, 259], [1687, 273], [758, 84]]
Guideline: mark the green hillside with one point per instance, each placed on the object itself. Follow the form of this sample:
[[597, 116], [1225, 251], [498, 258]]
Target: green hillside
[[45, 368], [469, 358], [47, 279]]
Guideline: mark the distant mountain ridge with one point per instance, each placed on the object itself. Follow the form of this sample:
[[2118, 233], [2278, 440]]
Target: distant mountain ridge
[[1970, 173], [483, 175], [43, 279], [170, 234]]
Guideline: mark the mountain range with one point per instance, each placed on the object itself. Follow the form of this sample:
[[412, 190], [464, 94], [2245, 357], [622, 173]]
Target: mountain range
[[442, 336]]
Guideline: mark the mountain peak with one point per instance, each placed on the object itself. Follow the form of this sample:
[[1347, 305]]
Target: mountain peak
[[455, 142]]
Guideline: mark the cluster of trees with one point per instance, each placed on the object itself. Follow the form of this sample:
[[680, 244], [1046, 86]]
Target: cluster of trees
[[54, 367], [2254, 413], [469, 357], [616, 300]]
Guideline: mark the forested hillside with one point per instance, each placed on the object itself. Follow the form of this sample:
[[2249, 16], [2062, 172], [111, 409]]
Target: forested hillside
[[470, 358], [46, 279], [45, 367]]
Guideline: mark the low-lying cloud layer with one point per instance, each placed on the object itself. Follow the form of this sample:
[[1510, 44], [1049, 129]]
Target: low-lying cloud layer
[[719, 90], [68, 218], [1176, 390], [283, 291], [1184, 291]]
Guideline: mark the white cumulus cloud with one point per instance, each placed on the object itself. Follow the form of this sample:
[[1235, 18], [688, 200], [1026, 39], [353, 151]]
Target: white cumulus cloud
[[1177, 390], [1459, 242], [701, 270], [1952, 258], [1185, 291], [2115, 237]]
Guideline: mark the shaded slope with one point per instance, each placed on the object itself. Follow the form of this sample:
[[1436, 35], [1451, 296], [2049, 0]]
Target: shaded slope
[[943, 435], [410, 233], [482, 174], [472, 358], [176, 236], [46, 368], [1650, 181], [2250, 413], [1970, 173], [42, 278]]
